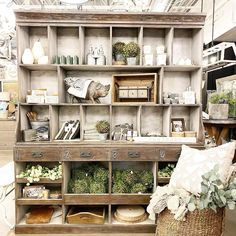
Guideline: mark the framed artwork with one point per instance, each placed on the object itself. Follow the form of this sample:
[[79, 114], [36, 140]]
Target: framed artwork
[[177, 125], [12, 88]]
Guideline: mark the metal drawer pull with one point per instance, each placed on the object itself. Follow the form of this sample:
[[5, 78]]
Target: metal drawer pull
[[133, 154], [85, 154], [114, 154], [37, 154], [67, 155], [162, 154]]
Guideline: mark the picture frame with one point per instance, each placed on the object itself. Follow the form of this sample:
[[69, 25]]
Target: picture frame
[[177, 125]]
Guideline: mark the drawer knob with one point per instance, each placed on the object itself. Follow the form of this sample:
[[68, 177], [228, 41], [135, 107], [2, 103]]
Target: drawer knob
[[133, 154], [85, 154], [162, 154], [37, 154], [114, 154]]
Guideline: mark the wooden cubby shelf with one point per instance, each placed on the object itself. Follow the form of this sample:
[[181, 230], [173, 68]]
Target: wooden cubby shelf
[[136, 97]]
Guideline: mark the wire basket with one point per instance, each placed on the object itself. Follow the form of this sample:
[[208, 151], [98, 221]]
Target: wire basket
[[198, 223]]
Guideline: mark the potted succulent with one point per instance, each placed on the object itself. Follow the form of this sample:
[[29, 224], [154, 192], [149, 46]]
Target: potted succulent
[[117, 50], [131, 51], [218, 106], [103, 127]]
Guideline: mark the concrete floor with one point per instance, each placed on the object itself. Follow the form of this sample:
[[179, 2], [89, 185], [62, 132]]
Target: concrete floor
[[6, 156]]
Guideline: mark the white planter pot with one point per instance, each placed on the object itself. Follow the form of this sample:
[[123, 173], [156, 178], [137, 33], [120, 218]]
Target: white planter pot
[[27, 57], [37, 51], [103, 137], [218, 111], [131, 61]]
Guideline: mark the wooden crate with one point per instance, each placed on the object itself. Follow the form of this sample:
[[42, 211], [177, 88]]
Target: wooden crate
[[133, 87]]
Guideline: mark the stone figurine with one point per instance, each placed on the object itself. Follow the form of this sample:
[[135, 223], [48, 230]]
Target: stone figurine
[[85, 90]]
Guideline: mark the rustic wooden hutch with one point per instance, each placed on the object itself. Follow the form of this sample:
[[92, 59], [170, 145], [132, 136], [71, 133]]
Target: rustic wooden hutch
[[72, 32]]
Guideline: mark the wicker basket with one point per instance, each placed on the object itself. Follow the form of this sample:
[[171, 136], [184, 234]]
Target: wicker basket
[[198, 223]]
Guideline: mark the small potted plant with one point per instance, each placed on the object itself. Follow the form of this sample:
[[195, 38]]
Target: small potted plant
[[103, 127], [131, 51], [218, 106], [117, 50]]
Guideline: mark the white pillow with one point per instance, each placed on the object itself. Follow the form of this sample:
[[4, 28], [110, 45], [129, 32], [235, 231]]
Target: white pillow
[[194, 163]]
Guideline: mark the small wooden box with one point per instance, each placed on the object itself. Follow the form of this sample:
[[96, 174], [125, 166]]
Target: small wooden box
[[86, 215]]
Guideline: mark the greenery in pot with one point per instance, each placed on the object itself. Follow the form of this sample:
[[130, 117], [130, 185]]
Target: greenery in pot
[[131, 50], [225, 97], [117, 48], [103, 126]]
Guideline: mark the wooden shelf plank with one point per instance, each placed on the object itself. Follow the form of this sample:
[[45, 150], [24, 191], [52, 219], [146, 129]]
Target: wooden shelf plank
[[27, 201], [41, 181], [37, 67], [179, 68], [130, 199], [86, 199]]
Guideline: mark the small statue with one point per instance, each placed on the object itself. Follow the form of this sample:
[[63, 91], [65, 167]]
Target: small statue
[[83, 89]]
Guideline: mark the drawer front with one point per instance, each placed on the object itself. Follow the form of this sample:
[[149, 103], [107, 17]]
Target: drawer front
[[134, 154], [169, 154], [84, 154], [37, 154]]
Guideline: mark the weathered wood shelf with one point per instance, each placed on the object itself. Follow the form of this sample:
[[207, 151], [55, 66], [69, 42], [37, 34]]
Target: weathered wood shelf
[[63, 33]]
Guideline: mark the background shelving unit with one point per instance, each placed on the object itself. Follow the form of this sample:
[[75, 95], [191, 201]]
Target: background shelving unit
[[72, 33]]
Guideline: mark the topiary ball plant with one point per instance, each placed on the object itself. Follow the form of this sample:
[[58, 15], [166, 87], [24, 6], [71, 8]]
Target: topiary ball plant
[[102, 126], [131, 50], [117, 48]]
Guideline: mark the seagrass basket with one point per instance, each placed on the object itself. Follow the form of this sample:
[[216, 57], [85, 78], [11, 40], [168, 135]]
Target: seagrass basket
[[198, 223]]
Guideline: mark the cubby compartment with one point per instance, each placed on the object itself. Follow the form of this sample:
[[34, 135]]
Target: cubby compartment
[[41, 122], [64, 42], [66, 122], [127, 35], [187, 46], [135, 88], [153, 39], [83, 178], [90, 116], [189, 117], [38, 79], [124, 119], [155, 121], [29, 35], [165, 170], [102, 77], [96, 40], [86, 214], [133, 178], [174, 84], [130, 215], [40, 215]]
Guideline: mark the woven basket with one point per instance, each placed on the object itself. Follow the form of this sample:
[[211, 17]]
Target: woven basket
[[198, 223]]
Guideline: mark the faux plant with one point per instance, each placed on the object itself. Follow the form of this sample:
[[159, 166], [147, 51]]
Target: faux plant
[[225, 97], [118, 47], [132, 181], [131, 50], [102, 126], [33, 173], [215, 194], [166, 171], [88, 178]]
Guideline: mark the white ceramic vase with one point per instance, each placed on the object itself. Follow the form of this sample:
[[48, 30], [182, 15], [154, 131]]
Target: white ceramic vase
[[27, 57], [37, 51]]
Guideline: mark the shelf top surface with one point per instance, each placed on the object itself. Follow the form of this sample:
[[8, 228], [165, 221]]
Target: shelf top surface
[[75, 16]]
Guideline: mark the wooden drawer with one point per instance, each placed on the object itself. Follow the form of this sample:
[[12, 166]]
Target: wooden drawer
[[134, 154], [169, 153], [84, 154], [37, 154]]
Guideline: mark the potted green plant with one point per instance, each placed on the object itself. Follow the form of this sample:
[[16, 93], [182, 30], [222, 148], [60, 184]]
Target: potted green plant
[[218, 107], [117, 50], [103, 127], [131, 51]]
